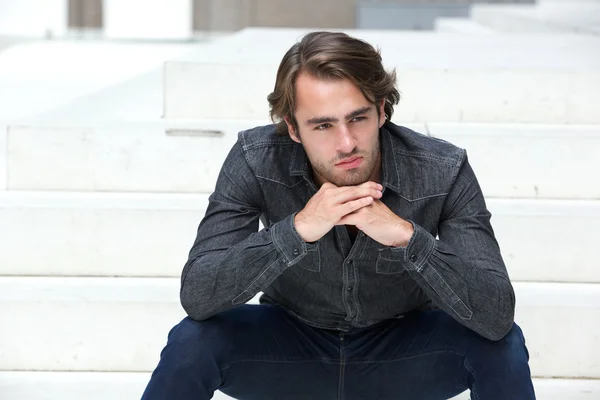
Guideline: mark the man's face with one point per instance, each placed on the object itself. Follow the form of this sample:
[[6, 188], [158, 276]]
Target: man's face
[[339, 130]]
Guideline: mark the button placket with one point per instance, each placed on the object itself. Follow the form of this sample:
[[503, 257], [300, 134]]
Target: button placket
[[349, 289]]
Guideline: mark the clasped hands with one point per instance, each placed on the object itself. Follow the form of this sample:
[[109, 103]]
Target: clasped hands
[[352, 205]]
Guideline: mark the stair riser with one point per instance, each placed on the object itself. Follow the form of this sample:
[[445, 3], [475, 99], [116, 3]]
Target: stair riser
[[509, 160], [122, 324], [151, 235], [128, 386], [3, 155], [513, 96]]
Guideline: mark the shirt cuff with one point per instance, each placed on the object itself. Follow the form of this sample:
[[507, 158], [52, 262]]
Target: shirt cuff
[[416, 254], [288, 241]]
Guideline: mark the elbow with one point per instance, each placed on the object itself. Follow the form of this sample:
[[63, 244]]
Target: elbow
[[195, 308], [498, 332], [500, 322], [194, 304]]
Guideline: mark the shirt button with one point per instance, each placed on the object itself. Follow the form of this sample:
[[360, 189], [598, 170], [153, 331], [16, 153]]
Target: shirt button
[[413, 258], [295, 252], [349, 288]]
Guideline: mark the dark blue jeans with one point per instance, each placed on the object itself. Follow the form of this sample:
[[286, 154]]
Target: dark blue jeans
[[261, 352]]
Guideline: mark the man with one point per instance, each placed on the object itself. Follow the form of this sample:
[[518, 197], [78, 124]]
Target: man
[[361, 299]]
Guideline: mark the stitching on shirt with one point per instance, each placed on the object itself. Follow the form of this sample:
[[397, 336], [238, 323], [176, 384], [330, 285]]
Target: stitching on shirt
[[423, 198], [276, 240], [266, 143], [254, 281], [428, 156], [428, 252], [458, 299], [276, 181]]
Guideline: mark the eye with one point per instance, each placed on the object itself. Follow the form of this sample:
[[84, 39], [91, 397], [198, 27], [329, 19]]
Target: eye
[[357, 119], [322, 127]]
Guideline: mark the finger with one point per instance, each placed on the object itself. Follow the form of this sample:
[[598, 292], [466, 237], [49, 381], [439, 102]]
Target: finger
[[353, 205], [350, 219], [328, 185], [355, 193]]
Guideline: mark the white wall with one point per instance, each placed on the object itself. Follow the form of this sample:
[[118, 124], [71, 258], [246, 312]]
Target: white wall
[[3, 155], [142, 19], [33, 18]]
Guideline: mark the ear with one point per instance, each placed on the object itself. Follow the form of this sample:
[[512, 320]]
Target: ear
[[382, 113], [292, 131]]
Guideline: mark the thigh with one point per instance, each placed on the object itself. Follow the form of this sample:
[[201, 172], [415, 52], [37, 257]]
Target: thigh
[[421, 356], [264, 353]]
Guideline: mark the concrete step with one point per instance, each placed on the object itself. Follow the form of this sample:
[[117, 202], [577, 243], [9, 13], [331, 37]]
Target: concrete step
[[155, 156], [3, 154], [511, 95], [520, 76], [521, 160], [581, 16], [427, 49], [128, 386], [143, 234], [461, 25], [38, 76], [121, 324], [186, 156]]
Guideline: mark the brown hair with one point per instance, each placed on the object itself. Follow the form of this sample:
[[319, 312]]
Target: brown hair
[[331, 55]]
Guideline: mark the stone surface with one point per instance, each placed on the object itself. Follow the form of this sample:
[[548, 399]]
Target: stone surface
[[123, 157], [128, 234], [120, 324], [127, 386], [3, 155], [500, 78], [581, 16], [195, 90], [534, 161], [510, 160], [39, 76]]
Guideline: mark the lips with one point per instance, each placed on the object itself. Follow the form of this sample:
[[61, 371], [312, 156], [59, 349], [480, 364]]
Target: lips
[[350, 163], [347, 160]]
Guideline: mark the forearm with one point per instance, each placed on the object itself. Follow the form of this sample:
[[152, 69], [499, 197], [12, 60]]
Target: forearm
[[216, 280], [473, 287]]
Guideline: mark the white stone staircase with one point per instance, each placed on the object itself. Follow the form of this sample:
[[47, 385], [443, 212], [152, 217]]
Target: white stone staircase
[[103, 197]]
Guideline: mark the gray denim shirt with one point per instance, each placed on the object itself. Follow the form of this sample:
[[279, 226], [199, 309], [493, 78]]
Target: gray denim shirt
[[452, 261]]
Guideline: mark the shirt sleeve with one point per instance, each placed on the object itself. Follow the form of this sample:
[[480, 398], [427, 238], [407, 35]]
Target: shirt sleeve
[[463, 271], [231, 260]]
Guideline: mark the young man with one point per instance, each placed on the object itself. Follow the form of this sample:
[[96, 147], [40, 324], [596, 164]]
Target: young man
[[381, 275]]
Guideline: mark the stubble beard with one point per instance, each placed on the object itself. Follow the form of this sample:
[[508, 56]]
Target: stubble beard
[[351, 177]]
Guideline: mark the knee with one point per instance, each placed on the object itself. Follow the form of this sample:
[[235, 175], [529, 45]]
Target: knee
[[514, 344], [511, 349], [191, 338]]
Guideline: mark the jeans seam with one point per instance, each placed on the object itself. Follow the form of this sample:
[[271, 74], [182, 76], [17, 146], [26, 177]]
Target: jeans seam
[[474, 395], [364, 361], [298, 361]]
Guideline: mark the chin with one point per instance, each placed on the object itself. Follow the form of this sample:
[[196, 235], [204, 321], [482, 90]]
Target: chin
[[351, 179]]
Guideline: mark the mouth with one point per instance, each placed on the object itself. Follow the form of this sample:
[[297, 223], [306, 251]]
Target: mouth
[[349, 163]]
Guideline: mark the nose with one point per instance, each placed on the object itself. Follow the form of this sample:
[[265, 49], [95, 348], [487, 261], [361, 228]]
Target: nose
[[346, 142]]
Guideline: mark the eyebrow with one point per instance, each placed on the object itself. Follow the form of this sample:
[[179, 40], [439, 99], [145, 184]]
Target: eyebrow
[[353, 114]]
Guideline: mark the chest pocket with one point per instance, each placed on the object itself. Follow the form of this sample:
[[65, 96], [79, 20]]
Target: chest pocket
[[312, 260], [386, 264]]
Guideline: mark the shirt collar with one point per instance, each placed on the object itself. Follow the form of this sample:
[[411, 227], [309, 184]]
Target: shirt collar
[[389, 167]]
